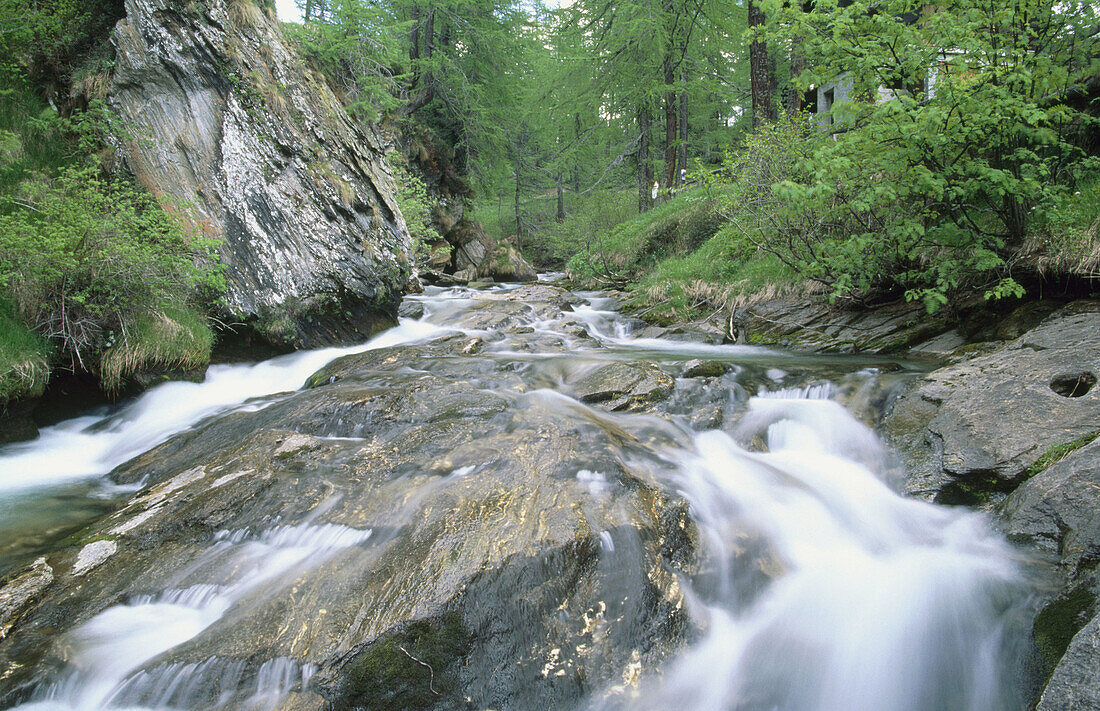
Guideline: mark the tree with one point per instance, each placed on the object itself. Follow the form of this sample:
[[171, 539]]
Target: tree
[[958, 136]]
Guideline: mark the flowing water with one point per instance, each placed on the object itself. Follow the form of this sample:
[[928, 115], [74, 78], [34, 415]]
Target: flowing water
[[823, 589]]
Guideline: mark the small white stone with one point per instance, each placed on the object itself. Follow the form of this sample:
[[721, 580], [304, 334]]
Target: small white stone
[[93, 555]]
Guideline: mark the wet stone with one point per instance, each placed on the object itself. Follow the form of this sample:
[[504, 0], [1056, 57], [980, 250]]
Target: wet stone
[[699, 368]]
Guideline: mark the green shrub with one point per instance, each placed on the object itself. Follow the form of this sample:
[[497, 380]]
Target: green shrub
[[923, 194], [83, 256], [415, 203], [24, 358]]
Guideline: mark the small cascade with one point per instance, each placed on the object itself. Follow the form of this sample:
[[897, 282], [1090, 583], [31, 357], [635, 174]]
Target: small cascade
[[827, 591], [92, 445], [108, 649]]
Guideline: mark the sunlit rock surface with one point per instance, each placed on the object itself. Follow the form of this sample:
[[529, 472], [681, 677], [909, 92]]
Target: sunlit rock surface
[[226, 122]]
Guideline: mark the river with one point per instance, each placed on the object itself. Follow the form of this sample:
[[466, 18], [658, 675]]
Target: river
[[804, 581]]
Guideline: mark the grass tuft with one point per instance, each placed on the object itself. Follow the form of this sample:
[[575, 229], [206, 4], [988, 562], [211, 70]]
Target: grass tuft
[[1057, 453], [175, 338], [246, 13], [24, 358]]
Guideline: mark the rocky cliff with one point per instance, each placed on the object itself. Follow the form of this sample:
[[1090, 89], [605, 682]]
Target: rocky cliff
[[225, 121]]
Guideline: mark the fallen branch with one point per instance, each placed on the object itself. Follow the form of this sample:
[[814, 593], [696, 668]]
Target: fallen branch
[[431, 672]]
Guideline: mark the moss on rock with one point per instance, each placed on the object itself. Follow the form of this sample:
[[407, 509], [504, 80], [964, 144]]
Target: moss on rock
[[410, 669], [1059, 621]]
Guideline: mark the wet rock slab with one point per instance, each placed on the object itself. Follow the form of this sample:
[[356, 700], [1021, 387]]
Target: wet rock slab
[[969, 432], [518, 544]]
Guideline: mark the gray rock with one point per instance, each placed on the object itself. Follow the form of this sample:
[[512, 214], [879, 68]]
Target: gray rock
[[262, 156], [969, 432], [813, 324], [623, 386], [1058, 510], [1075, 685], [940, 346], [92, 556], [698, 368], [411, 309], [18, 593]]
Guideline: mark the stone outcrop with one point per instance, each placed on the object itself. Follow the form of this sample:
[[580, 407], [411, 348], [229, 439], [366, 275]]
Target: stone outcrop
[[970, 432], [813, 324], [1057, 512], [226, 122]]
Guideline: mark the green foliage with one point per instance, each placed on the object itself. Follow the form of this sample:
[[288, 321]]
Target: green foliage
[[674, 227], [928, 193], [414, 201], [50, 39], [85, 260], [553, 242], [24, 357], [1067, 237], [356, 45], [83, 256]]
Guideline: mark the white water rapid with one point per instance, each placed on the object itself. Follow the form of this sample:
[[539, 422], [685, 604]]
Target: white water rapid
[[829, 591], [92, 445]]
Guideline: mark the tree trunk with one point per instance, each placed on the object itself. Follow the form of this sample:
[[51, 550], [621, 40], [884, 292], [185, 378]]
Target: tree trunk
[[414, 38], [560, 217], [760, 76], [672, 125], [798, 63], [519, 174], [683, 148], [645, 168]]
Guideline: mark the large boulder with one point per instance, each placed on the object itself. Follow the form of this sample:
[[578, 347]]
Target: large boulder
[[226, 123], [1057, 512], [424, 527], [972, 432]]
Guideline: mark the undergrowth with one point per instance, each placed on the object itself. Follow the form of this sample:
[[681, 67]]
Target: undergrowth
[[175, 338]]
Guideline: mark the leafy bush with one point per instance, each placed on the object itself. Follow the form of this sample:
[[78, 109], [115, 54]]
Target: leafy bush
[[82, 256], [928, 193], [414, 201]]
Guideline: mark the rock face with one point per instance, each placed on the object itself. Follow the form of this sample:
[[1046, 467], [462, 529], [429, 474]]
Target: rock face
[[1058, 512], [226, 121], [969, 432], [815, 325]]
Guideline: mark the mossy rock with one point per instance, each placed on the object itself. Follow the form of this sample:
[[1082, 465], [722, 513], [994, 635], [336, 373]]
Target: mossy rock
[[1059, 621], [410, 669]]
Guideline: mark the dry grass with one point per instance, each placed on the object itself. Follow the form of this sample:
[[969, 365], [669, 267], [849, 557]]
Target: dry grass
[[246, 13], [177, 339], [1077, 255], [92, 86]]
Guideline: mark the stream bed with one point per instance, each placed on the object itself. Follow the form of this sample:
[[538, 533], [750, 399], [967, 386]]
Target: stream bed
[[508, 502]]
